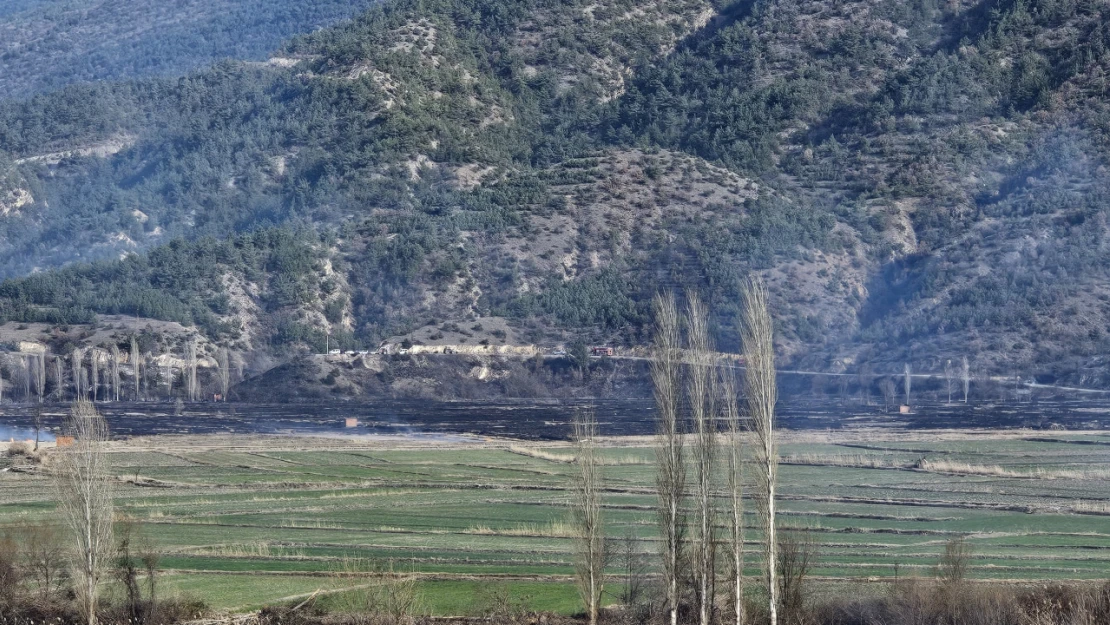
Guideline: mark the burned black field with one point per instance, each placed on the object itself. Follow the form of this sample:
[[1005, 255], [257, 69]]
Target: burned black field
[[539, 420]]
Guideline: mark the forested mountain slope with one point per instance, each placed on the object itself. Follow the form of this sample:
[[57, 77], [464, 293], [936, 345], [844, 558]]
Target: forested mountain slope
[[46, 44], [917, 181]]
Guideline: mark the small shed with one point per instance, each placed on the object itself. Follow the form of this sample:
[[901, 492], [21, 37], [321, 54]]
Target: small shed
[[904, 409], [351, 422]]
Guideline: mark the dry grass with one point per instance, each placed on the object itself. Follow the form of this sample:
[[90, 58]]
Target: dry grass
[[964, 468], [947, 467], [617, 461], [260, 549], [553, 529], [611, 461], [532, 452], [856, 460]]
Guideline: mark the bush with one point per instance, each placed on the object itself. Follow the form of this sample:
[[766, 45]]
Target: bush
[[19, 449], [11, 578]]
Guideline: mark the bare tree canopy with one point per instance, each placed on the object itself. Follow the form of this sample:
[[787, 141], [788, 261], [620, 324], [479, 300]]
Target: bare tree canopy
[[27, 377], [948, 378], [225, 373], [966, 374], [589, 560], [40, 376], [191, 371], [700, 397], [59, 377], [94, 372], [761, 394], [115, 372], [907, 381], [75, 362], [136, 366], [82, 479], [670, 478], [735, 454], [886, 387]]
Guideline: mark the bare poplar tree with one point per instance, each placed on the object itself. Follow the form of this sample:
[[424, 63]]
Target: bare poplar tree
[[94, 371], [169, 382], [59, 377], [191, 372], [948, 378], [590, 558], [225, 373], [75, 362], [735, 455], [37, 423], [887, 388], [700, 399], [40, 376], [906, 381], [671, 468], [966, 372], [27, 377], [136, 367], [148, 358], [865, 380], [633, 569], [757, 337], [82, 480], [115, 372]]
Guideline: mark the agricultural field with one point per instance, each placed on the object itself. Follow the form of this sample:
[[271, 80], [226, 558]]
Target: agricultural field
[[245, 521]]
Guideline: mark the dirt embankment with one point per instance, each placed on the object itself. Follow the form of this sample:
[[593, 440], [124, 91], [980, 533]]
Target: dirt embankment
[[445, 377]]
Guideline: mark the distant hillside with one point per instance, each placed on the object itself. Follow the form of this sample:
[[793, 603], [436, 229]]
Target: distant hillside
[[47, 44], [917, 182]]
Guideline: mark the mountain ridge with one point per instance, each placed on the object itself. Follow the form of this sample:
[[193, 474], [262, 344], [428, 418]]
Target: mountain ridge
[[915, 182]]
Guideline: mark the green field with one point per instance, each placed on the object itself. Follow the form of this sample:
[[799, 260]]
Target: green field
[[243, 523]]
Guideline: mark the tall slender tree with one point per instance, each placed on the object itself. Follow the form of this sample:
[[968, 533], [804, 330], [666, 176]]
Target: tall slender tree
[[948, 378], [191, 371], [590, 554], [59, 377], [735, 455], [761, 394], [82, 481], [136, 367], [94, 372], [966, 375], [27, 377], [907, 380], [37, 422], [670, 477], [75, 359], [866, 379], [225, 373], [115, 372], [40, 376], [147, 359], [700, 397]]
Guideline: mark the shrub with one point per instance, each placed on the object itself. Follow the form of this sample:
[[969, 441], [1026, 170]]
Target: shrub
[[19, 448]]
